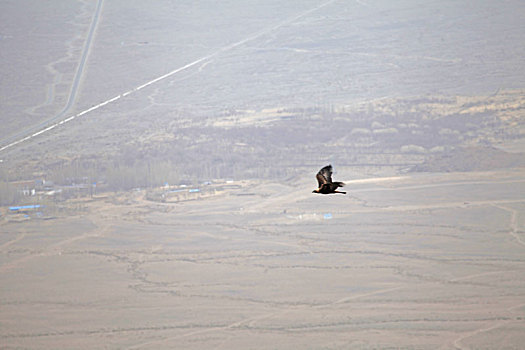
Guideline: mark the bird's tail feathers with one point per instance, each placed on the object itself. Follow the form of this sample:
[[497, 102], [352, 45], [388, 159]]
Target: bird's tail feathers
[[339, 184]]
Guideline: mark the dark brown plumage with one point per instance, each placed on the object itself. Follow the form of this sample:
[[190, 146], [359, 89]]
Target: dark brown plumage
[[326, 185]]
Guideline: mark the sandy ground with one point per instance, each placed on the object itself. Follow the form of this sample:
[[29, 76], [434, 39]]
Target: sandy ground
[[421, 261]]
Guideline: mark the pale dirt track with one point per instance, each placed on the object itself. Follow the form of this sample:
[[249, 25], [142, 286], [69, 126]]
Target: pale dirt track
[[424, 261]]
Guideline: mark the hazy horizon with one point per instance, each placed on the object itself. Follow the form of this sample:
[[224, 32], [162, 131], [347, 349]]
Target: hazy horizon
[[297, 54]]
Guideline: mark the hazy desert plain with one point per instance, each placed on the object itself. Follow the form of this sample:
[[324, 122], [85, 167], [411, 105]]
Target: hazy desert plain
[[421, 261]]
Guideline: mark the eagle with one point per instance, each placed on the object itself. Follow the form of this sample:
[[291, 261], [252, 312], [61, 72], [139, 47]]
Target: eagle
[[326, 185]]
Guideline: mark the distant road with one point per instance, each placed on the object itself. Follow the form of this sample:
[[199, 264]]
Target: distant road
[[72, 93], [80, 69]]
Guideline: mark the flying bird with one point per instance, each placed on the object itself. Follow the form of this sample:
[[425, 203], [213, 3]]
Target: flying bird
[[326, 185]]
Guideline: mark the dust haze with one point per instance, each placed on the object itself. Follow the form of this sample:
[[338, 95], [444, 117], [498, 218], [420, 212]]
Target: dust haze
[[157, 162]]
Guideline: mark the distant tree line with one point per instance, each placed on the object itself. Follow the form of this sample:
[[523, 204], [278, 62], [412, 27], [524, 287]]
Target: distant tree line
[[306, 139]]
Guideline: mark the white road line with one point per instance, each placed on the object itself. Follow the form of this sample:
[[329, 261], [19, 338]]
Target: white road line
[[175, 71]]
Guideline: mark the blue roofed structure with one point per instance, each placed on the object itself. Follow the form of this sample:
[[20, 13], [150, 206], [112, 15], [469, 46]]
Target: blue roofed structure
[[25, 207]]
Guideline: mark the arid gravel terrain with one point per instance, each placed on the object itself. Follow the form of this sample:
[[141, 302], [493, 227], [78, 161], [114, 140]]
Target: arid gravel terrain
[[420, 261]]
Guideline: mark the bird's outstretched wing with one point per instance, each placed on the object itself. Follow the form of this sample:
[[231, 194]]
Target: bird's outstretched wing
[[324, 176]]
